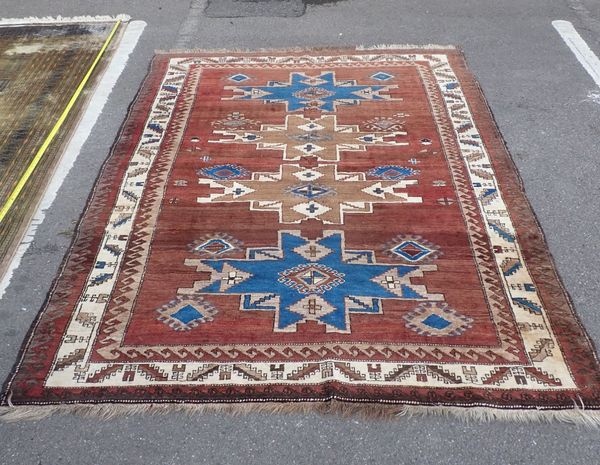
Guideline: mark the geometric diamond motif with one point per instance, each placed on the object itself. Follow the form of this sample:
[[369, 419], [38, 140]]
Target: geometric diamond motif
[[187, 314], [412, 249], [221, 172], [437, 319], [392, 172], [215, 245], [386, 123], [235, 120], [312, 251], [436, 322], [311, 278], [381, 76], [310, 191], [239, 77], [183, 314]]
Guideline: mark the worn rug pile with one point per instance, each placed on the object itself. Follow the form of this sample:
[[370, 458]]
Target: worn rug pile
[[42, 63], [291, 227]]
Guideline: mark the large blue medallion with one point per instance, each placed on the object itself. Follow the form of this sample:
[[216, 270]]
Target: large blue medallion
[[316, 280], [323, 92]]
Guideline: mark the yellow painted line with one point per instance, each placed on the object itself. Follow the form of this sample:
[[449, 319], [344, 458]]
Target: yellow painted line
[[40, 153]]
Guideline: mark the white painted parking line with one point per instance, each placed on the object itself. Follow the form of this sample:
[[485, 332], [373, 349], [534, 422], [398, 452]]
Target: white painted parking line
[[578, 46], [84, 128]]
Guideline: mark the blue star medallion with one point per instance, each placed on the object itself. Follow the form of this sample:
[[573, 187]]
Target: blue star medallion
[[305, 279], [323, 92]]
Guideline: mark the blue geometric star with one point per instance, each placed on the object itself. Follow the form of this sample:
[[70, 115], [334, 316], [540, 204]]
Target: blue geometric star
[[322, 92], [344, 281]]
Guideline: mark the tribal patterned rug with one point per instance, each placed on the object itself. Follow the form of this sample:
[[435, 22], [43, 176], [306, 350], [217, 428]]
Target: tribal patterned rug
[[42, 64], [284, 227]]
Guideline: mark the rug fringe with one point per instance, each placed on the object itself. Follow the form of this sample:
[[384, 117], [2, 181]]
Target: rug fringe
[[61, 19], [405, 46], [249, 50], [348, 48], [575, 416]]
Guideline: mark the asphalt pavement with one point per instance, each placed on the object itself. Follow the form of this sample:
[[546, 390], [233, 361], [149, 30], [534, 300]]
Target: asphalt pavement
[[543, 101]]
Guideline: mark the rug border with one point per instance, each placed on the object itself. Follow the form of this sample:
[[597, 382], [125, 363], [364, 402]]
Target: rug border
[[515, 175], [514, 171], [585, 414]]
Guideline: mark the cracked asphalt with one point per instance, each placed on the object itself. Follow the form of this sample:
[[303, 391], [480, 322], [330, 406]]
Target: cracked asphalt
[[544, 104]]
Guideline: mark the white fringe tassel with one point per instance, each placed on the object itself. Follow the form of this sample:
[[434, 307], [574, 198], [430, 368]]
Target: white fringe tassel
[[309, 49], [31, 20], [404, 47], [576, 416]]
